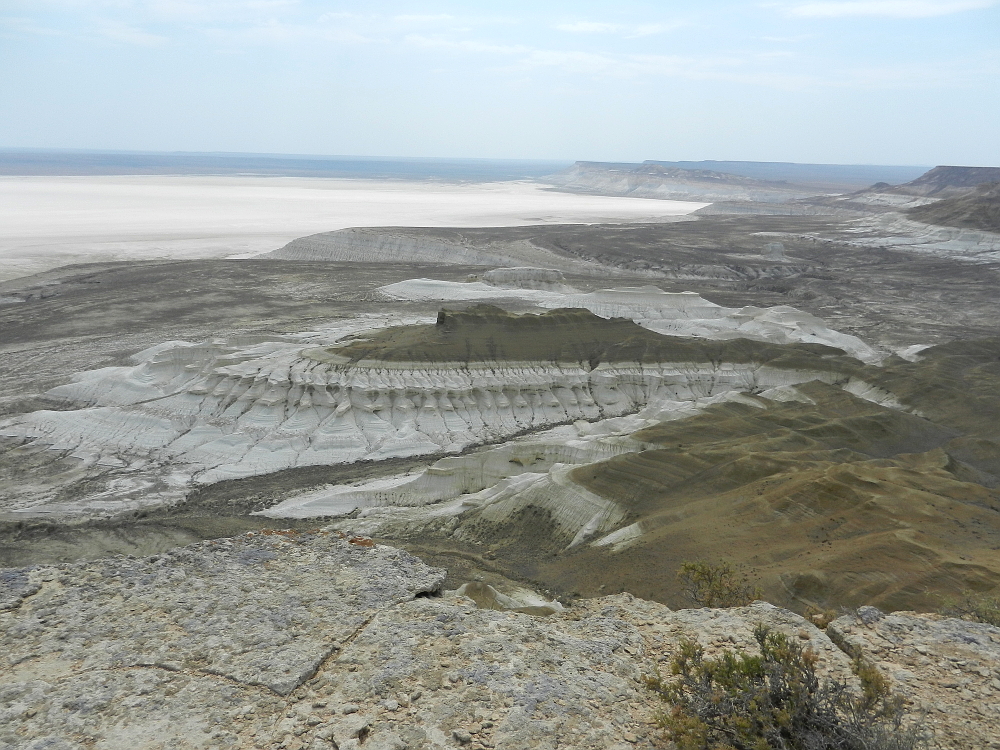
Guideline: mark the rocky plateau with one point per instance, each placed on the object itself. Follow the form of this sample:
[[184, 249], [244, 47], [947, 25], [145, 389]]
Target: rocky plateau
[[313, 640]]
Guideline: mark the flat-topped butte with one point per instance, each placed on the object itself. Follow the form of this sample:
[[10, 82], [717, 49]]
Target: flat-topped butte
[[485, 333]]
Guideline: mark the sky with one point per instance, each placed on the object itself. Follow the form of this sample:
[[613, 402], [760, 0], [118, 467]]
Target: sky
[[828, 81]]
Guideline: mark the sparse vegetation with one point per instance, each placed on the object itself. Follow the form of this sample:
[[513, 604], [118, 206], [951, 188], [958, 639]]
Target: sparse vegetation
[[820, 617], [975, 607], [776, 701], [719, 585]]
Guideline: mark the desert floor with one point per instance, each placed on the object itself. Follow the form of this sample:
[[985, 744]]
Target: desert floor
[[52, 221]]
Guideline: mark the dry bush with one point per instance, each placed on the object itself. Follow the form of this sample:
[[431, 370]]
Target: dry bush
[[776, 701], [820, 617], [975, 607], [717, 585]]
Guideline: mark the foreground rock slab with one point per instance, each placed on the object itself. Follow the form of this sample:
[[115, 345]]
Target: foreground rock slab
[[96, 649], [316, 642], [949, 669]]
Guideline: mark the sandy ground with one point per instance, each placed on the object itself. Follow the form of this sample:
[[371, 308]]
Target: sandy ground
[[51, 221]]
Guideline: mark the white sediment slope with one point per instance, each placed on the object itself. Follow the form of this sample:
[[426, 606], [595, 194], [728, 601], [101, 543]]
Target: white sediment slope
[[902, 233], [189, 413], [213, 412], [494, 484]]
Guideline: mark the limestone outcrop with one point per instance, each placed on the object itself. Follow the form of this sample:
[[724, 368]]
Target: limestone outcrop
[[316, 641]]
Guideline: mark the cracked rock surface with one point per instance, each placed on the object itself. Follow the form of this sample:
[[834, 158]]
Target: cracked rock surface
[[310, 641], [236, 619], [948, 668]]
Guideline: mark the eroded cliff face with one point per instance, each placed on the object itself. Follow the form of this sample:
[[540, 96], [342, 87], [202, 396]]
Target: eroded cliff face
[[319, 641], [220, 410], [832, 499], [878, 493]]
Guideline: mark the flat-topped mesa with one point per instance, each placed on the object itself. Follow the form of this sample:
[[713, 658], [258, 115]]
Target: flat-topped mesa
[[672, 313], [488, 334]]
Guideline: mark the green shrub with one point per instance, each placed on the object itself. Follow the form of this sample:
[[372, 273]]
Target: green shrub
[[776, 701], [717, 585], [975, 607]]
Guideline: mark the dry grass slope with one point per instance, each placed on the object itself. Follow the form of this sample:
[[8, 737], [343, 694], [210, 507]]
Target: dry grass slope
[[840, 502]]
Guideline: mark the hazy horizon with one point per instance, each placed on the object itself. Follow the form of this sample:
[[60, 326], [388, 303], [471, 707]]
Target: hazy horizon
[[884, 82], [66, 162], [398, 157]]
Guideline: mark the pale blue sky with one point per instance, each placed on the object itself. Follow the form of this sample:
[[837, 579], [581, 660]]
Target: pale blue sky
[[867, 81]]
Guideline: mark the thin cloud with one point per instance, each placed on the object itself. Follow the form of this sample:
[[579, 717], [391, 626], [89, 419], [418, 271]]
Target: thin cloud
[[103, 29], [588, 27], [580, 63], [649, 29], [215, 11], [628, 30], [284, 34], [787, 39], [769, 70], [424, 19], [118, 32], [464, 45], [888, 8], [27, 26]]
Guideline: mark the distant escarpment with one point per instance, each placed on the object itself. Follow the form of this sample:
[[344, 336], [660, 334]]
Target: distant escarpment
[[945, 181], [961, 205], [657, 181], [936, 184], [977, 210]]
